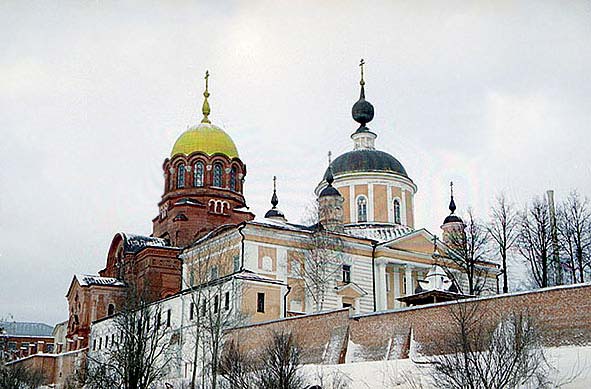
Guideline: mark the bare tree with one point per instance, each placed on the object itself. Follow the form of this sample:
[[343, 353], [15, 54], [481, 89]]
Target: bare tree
[[574, 228], [19, 377], [213, 294], [535, 242], [503, 228], [138, 355], [237, 369], [280, 363], [318, 263], [477, 354], [468, 251]]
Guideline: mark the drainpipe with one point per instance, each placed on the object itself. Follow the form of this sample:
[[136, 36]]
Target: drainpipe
[[285, 302], [241, 245], [374, 244]]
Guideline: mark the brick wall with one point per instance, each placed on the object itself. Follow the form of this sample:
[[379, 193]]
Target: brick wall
[[564, 313]]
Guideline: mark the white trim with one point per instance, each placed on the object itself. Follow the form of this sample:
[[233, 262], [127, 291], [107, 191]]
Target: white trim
[[352, 207], [357, 210], [370, 205], [403, 207], [390, 201]]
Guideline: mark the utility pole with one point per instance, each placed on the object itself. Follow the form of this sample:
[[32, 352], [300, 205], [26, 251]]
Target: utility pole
[[554, 232]]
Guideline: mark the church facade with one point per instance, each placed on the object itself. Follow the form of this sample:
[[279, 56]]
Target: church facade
[[208, 252]]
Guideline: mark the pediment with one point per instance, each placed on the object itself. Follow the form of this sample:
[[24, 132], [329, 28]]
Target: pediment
[[420, 241]]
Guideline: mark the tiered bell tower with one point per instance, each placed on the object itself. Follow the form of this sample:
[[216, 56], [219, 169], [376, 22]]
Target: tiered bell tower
[[203, 183]]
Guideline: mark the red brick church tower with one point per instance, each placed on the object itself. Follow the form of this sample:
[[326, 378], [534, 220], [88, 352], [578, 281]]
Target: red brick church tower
[[203, 182]]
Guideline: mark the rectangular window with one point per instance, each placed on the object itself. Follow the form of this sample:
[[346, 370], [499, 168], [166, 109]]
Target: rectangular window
[[12, 345], [227, 301], [203, 307], [214, 272], [236, 263], [94, 345], [168, 318], [106, 341], [346, 274], [216, 303], [158, 320], [192, 311], [100, 343], [261, 302]]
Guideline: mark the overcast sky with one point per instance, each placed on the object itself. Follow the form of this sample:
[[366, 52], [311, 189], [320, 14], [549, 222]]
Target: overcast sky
[[493, 95]]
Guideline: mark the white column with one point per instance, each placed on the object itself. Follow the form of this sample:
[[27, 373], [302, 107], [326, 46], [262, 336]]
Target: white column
[[396, 273], [390, 204], [408, 280], [381, 286], [403, 206], [352, 205], [370, 205]]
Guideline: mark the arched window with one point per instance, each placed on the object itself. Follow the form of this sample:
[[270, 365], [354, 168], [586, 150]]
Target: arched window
[[180, 176], [110, 310], [233, 178], [198, 174], [361, 209], [396, 211], [217, 175]]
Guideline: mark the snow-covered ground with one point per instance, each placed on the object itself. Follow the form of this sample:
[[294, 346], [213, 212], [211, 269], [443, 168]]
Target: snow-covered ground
[[572, 364]]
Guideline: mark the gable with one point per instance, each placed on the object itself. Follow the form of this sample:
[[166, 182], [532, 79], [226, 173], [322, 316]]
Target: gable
[[420, 241]]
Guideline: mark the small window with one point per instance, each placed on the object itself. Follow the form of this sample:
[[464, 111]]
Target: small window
[[362, 209], [111, 310], [346, 274], [227, 301], [100, 343], [396, 211], [236, 263], [180, 177], [94, 345], [217, 175], [216, 303], [106, 341], [158, 322], [213, 272], [168, 318], [192, 311], [347, 305], [233, 178], [198, 174], [204, 307], [261, 302]]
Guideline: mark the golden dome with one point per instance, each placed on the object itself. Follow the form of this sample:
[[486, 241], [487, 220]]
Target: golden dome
[[206, 138]]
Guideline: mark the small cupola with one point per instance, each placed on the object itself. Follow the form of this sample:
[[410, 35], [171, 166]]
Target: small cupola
[[330, 204], [274, 213]]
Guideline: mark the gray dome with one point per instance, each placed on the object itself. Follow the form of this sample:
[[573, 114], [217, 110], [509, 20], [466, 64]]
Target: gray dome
[[366, 161]]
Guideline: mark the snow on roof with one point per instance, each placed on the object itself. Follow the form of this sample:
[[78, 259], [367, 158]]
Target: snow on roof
[[251, 276], [281, 224], [134, 243], [26, 329], [87, 280]]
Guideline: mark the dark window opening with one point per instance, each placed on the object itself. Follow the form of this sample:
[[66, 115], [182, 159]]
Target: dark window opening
[[192, 311], [261, 302], [168, 318], [227, 301], [111, 310], [216, 302], [198, 174], [233, 179], [180, 179], [346, 274], [217, 175]]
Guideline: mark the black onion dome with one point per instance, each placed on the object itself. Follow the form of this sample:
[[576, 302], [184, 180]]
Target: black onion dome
[[453, 219], [329, 191], [362, 111], [274, 213], [366, 161]]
